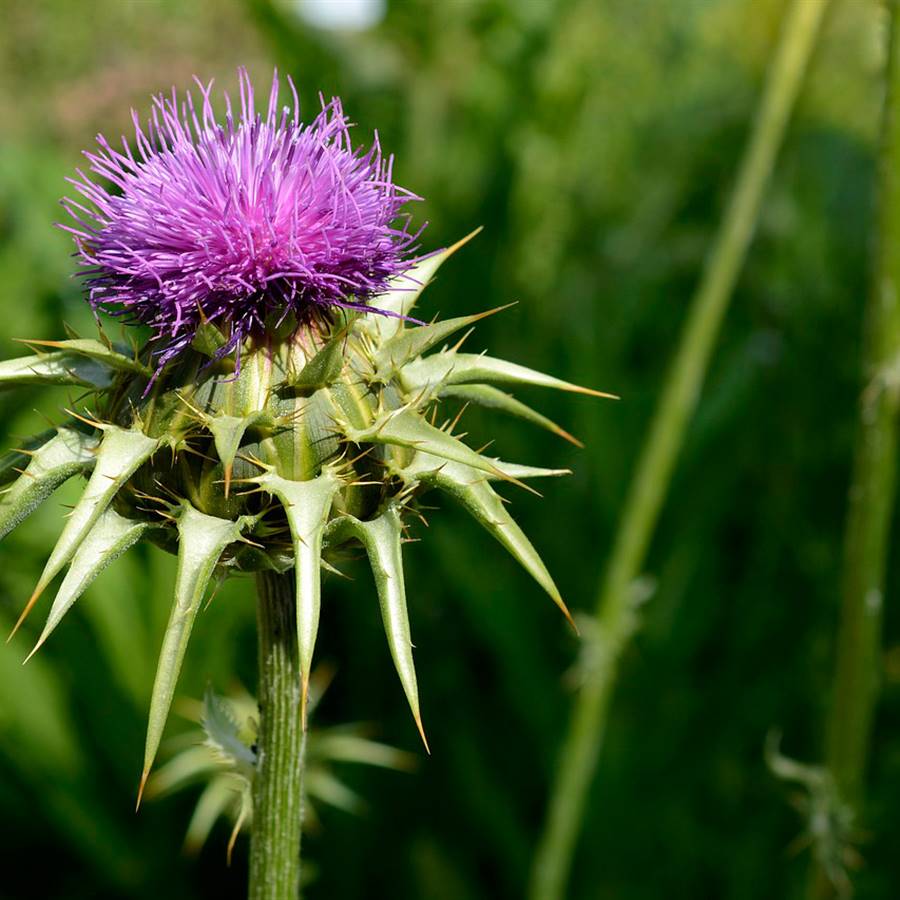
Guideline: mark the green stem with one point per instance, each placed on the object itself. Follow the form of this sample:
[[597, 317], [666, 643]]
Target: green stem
[[278, 785], [615, 606], [872, 486]]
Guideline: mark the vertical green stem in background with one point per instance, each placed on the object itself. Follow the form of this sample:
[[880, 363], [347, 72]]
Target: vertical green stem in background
[[615, 606], [872, 486], [278, 785]]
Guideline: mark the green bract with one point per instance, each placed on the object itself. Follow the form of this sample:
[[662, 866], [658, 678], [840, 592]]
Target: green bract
[[322, 437]]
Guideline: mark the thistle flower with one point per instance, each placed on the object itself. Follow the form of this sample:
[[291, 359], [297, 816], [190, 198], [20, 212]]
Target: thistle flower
[[287, 407], [241, 223]]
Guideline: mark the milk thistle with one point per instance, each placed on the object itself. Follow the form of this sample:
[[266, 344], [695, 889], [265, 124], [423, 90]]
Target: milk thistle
[[282, 410]]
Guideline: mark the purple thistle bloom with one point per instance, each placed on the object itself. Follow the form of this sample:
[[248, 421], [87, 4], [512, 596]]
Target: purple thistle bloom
[[240, 223]]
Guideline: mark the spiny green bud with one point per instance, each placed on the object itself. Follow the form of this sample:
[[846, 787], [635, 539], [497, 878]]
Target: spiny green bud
[[277, 455]]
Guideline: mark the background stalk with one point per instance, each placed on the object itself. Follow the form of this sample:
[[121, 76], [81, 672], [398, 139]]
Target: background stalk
[[615, 617], [872, 488], [278, 785]]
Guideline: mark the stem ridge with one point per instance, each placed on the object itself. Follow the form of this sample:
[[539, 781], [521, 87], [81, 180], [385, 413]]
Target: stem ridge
[[278, 785], [857, 675]]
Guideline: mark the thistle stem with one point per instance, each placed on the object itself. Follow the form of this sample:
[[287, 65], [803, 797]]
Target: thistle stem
[[872, 486], [615, 613], [278, 785]]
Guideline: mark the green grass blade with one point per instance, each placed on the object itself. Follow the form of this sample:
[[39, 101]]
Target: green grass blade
[[683, 386]]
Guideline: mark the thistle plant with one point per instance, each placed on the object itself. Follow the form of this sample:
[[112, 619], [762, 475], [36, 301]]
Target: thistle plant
[[281, 408]]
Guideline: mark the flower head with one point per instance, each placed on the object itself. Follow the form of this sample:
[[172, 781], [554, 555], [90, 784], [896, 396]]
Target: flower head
[[243, 224]]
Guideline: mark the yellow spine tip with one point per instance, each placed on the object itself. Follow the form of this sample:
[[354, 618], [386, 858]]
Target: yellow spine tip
[[35, 649], [418, 719], [144, 776], [463, 241], [565, 611], [561, 432], [591, 392], [304, 699], [28, 607]]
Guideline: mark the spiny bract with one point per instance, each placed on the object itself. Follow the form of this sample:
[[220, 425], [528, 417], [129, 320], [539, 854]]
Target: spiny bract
[[324, 439]]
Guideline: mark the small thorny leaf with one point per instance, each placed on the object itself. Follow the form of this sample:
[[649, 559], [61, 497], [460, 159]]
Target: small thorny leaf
[[219, 756], [830, 829]]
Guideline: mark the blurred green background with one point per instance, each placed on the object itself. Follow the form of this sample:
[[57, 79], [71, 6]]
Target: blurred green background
[[596, 141]]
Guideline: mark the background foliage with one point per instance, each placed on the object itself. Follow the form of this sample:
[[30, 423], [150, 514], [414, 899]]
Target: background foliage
[[596, 141]]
